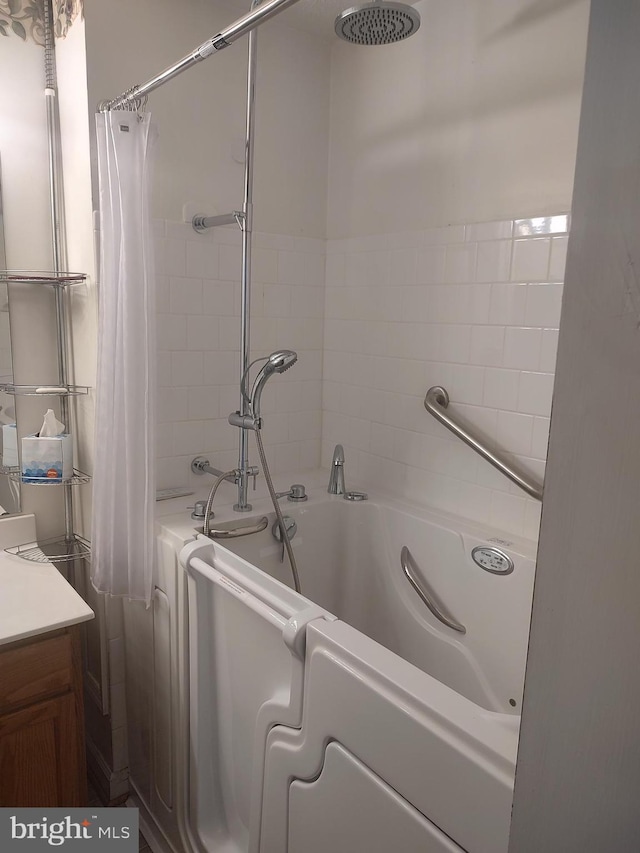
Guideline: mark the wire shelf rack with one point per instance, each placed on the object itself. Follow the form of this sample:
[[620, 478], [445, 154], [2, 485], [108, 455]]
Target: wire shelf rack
[[78, 479], [57, 550], [43, 390]]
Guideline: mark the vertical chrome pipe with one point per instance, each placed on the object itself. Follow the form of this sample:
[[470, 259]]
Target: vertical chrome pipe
[[57, 231], [247, 228], [59, 263]]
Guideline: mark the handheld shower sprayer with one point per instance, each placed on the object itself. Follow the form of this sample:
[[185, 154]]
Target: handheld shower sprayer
[[277, 362]]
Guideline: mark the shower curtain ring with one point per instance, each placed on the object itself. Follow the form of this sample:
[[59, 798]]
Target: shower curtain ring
[[141, 105]]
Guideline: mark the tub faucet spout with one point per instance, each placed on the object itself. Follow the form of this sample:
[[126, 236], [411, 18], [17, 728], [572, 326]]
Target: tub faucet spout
[[336, 477]]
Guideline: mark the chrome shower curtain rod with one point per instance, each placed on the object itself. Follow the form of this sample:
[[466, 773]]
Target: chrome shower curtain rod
[[257, 15]]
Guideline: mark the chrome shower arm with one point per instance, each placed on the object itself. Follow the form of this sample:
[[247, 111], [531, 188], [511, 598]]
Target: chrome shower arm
[[258, 14]]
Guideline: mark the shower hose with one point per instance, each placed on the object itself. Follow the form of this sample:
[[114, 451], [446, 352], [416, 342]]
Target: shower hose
[[276, 506], [274, 500]]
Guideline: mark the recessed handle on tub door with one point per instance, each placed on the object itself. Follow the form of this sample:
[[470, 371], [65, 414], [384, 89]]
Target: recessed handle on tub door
[[439, 611]]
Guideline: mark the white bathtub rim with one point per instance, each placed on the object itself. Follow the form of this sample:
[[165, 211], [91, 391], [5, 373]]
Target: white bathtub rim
[[176, 518]]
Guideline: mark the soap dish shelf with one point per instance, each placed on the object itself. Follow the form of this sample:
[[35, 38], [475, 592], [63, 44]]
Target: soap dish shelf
[[50, 279], [43, 390], [58, 550], [78, 479]]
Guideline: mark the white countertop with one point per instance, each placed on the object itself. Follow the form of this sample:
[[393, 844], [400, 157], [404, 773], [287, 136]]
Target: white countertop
[[34, 597]]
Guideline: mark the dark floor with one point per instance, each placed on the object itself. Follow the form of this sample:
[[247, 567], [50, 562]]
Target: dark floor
[[94, 800]]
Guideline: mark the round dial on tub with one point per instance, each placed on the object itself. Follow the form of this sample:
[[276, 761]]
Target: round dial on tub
[[492, 560]]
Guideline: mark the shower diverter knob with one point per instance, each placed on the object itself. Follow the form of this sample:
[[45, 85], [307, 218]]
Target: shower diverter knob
[[198, 509]]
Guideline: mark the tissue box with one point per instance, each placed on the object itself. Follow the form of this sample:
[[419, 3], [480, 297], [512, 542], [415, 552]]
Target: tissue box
[[47, 459], [9, 446]]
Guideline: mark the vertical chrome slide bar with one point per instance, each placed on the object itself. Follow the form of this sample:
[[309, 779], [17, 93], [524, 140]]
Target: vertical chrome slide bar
[[436, 401], [243, 504], [428, 597], [257, 15], [58, 234]]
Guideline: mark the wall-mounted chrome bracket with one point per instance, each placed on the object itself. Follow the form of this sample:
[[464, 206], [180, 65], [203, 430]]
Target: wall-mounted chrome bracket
[[201, 223], [244, 421], [200, 465]]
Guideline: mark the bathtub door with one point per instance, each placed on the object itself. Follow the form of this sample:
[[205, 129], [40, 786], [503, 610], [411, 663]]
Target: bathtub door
[[246, 662], [386, 758], [377, 819]]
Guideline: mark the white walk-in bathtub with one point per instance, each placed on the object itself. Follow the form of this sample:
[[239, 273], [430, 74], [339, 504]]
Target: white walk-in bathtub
[[350, 717], [349, 560]]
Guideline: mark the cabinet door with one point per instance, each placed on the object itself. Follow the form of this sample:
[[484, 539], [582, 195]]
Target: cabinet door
[[39, 755]]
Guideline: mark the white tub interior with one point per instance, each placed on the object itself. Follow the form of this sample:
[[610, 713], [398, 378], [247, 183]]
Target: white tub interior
[[348, 558]]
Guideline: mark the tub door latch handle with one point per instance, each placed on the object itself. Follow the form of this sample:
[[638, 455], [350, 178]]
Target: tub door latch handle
[[428, 597], [294, 632]]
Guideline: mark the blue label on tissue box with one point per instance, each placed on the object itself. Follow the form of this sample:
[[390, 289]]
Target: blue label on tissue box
[[47, 460]]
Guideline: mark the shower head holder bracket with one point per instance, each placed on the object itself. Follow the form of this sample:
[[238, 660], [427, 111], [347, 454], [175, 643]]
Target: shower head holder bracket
[[244, 421]]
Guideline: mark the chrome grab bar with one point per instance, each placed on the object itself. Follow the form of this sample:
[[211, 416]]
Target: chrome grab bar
[[235, 532], [436, 401], [428, 597]]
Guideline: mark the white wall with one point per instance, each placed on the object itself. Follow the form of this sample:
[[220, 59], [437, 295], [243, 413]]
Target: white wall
[[201, 118], [578, 774], [74, 122], [201, 114], [439, 146], [473, 119], [198, 303], [474, 308], [23, 146]]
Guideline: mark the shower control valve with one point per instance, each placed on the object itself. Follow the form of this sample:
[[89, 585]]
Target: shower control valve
[[295, 494], [198, 509]]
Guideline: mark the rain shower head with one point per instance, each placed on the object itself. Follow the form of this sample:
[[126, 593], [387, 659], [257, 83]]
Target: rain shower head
[[379, 22], [277, 362]]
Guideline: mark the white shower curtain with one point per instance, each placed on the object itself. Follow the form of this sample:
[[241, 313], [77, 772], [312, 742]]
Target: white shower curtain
[[123, 477]]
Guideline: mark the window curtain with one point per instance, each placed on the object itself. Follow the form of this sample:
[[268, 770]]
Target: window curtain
[[124, 460]]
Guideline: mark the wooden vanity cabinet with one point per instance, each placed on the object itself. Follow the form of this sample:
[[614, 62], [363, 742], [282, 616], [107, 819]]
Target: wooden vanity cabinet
[[42, 750]]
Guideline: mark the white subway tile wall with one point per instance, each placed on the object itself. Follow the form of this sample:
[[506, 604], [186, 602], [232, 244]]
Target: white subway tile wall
[[474, 308], [198, 303], [375, 321]]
